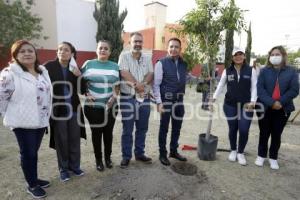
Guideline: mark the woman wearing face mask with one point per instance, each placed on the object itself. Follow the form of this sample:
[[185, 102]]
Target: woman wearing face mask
[[277, 86], [239, 101], [67, 123], [101, 108], [25, 104]]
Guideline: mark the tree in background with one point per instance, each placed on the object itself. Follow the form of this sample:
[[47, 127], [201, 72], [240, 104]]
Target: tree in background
[[249, 44], [235, 23], [203, 26], [229, 45], [17, 22], [262, 59], [294, 58], [110, 25]]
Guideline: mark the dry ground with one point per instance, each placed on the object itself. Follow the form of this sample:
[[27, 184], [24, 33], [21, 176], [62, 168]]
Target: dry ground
[[218, 179]]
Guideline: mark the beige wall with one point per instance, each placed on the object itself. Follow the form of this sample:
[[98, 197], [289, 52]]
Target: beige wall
[[46, 9]]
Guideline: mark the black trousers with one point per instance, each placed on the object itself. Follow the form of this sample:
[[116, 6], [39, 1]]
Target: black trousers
[[102, 124], [67, 143], [271, 123]]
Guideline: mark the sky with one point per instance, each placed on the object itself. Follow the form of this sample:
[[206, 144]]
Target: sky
[[273, 22]]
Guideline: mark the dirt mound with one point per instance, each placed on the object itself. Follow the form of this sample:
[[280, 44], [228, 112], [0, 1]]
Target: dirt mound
[[185, 168]]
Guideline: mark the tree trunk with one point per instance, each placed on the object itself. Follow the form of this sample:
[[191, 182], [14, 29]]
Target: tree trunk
[[211, 67]]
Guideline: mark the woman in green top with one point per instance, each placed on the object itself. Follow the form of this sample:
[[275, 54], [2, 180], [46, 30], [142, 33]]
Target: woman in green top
[[101, 106]]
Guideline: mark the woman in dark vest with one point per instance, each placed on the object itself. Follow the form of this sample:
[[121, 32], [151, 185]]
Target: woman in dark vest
[[239, 101], [66, 123], [277, 86]]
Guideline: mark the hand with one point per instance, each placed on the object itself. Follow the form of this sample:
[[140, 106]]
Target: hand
[[76, 71], [160, 108], [140, 87], [110, 102], [277, 105], [250, 106], [89, 97]]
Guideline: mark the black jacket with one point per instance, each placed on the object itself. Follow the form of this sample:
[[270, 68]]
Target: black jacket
[[56, 76], [238, 91]]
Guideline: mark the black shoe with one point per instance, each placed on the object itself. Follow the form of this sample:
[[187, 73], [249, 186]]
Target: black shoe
[[77, 172], [36, 192], [177, 156], [43, 183], [64, 175], [164, 160], [100, 166], [108, 163], [143, 158], [124, 163]]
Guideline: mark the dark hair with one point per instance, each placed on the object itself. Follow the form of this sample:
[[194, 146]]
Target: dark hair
[[73, 50], [107, 42], [282, 51], [135, 33], [14, 50], [174, 39]]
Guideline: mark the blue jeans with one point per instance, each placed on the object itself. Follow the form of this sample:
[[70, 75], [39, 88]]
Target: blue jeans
[[29, 141], [174, 111], [137, 113], [238, 120]]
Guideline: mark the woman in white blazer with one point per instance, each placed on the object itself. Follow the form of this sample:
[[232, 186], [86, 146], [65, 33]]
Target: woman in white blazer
[[25, 104]]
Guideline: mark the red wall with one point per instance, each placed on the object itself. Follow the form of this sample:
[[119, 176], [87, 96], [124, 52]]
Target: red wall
[[157, 54], [4, 62]]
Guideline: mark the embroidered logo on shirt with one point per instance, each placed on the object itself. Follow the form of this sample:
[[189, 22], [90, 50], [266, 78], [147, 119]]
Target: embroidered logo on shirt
[[230, 77]]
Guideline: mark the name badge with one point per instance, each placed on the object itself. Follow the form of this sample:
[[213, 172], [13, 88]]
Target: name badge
[[246, 77]]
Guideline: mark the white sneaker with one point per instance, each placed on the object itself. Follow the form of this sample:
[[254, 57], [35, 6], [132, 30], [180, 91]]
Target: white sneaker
[[273, 164], [241, 159], [232, 156], [260, 161]]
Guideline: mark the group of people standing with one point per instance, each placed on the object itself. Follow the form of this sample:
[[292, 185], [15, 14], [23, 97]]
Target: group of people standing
[[34, 96]]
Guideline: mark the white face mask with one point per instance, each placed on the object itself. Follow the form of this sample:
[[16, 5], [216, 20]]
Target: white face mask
[[275, 60]]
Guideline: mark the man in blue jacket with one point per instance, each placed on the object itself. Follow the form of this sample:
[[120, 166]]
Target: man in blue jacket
[[169, 89]]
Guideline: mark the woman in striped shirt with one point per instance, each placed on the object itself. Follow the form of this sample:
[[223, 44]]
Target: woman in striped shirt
[[101, 106]]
